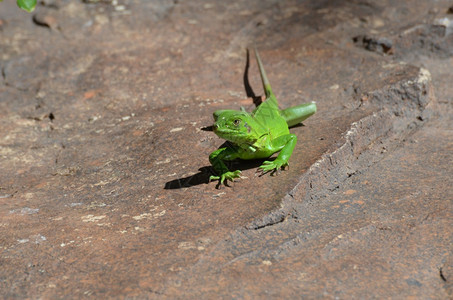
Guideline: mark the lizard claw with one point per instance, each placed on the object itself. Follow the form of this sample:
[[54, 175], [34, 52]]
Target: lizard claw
[[261, 172], [212, 178]]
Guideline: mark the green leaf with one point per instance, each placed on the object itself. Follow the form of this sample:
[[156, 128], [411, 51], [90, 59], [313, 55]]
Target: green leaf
[[28, 5]]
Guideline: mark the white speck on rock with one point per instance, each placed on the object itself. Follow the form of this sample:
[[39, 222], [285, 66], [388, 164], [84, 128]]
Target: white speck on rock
[[166, 161], [38, 239], [266, 262], [186, 245], [24, 211], [423, 76], [92, 218], [176, 129], [149, 215]]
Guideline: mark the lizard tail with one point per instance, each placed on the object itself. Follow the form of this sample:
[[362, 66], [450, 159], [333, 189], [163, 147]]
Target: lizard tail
[[266, 84]]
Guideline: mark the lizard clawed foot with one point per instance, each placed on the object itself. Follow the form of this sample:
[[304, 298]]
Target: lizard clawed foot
[[223, 179], [272, 166]]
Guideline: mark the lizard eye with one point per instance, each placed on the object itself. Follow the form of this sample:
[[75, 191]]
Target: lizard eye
[[236, 122]]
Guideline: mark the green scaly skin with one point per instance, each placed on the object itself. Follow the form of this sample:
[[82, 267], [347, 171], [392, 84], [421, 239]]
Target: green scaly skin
[[258, 134]]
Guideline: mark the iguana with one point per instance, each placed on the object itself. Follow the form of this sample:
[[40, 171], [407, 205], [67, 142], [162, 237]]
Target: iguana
[[258, 134]]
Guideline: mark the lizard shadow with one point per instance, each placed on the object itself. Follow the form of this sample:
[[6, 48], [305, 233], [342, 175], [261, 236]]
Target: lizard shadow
[[202, 177], [257, 100], [205, 172]]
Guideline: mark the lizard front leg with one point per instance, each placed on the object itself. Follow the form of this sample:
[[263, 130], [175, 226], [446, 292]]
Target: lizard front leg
[[286, 143], [217, 159]]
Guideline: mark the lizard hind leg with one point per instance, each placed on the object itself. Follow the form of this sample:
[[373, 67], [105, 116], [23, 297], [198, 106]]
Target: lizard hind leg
[[296, 114]]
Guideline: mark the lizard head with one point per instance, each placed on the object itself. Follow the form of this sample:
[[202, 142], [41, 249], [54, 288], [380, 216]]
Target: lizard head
[[235, 126]]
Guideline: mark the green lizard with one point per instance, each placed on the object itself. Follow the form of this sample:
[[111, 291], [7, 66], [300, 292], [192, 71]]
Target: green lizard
[[258, 134]]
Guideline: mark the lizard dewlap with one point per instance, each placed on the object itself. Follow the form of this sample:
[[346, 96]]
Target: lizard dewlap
[[258, 134]]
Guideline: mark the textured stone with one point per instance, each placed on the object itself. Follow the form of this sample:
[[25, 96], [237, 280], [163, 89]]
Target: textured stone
[[104, 160]]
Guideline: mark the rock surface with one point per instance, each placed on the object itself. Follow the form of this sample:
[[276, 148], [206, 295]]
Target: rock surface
[[104, 163]]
